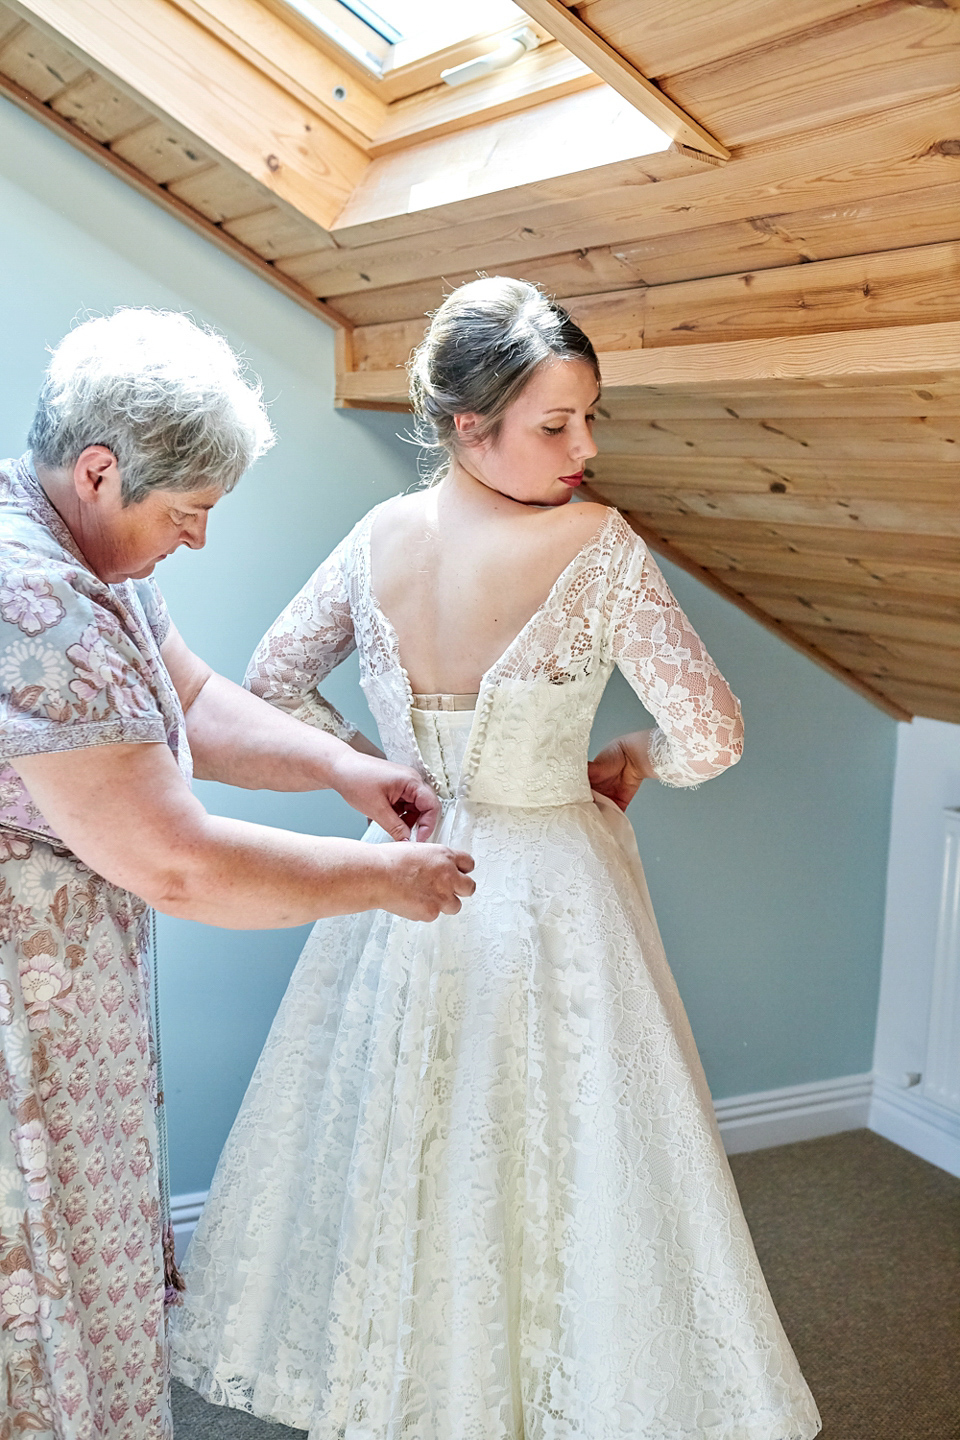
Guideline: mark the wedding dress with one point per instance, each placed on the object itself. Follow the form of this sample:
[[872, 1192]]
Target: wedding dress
[[476, 1190]]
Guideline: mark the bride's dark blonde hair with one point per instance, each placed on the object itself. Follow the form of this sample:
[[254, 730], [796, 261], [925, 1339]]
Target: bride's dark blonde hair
[[483, 346]]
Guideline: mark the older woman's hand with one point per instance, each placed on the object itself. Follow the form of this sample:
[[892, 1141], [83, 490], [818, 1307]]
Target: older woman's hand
[[239, 739], [126, 811], [392, 795]]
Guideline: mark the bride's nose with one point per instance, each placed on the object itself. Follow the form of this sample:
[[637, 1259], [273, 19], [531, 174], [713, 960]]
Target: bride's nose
[[583, 446]]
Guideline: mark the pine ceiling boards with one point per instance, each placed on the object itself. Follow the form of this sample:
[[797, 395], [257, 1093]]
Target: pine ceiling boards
[[752, 208]]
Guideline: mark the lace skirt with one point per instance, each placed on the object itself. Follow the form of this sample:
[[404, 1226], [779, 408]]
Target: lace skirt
[[476, 1189]]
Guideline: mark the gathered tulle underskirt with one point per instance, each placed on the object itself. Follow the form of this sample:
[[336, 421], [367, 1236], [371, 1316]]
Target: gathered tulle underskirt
[[476, 1189]]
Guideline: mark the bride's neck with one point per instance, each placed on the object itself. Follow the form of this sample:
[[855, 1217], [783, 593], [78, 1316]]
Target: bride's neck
[[462, 486]]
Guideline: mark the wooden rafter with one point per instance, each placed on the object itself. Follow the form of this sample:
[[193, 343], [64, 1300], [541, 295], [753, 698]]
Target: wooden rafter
[[567, 27], [838, 359], [845, 357]]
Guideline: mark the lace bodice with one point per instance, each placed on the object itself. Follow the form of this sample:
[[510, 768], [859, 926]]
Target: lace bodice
[[529, 743]]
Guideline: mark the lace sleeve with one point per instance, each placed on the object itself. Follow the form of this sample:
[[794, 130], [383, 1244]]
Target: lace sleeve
[[699, 730], [308, 640]]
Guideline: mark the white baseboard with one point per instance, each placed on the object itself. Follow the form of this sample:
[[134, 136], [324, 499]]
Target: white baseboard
[[794, 1112], [915, 1123], [185, 1212]]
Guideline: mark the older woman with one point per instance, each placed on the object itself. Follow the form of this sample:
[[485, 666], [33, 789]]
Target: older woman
[[144, 422]]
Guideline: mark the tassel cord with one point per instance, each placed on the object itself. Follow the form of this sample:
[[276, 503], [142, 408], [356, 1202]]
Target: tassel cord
[[173, 1281]]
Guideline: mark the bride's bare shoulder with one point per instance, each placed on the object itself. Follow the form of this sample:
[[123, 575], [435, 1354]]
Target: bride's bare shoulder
[[396, 517], [575, 524]]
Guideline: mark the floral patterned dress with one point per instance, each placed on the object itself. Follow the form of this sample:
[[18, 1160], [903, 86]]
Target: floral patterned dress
[[82, 1342]]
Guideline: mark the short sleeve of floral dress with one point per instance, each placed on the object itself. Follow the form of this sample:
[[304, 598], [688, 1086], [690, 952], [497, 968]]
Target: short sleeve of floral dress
[[82, 1339]]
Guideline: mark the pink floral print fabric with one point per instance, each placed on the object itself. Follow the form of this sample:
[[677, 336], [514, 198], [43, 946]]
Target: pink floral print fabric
[[82, 1340]]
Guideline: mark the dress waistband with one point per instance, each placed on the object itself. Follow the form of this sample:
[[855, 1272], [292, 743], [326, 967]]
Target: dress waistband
[[445, 702]]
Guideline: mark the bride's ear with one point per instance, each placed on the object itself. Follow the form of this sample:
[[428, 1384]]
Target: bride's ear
[[467, 427]]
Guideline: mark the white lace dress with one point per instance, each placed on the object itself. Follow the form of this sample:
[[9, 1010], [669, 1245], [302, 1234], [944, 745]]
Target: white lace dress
[[475, 1190]]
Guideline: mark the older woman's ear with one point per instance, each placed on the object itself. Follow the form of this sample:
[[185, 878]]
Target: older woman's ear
[[94, 465]]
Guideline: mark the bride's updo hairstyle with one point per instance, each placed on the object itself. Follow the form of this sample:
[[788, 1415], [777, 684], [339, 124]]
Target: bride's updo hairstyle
[[483, 346]]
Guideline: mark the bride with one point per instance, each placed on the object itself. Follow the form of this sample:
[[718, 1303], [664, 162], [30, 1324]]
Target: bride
[[476, 1190]]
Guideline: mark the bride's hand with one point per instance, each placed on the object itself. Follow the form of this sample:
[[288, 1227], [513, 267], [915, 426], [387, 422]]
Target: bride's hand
[[394, 796], [621, 767]]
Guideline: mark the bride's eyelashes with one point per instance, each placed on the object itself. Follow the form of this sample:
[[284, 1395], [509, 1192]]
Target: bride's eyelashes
[[550, 430]]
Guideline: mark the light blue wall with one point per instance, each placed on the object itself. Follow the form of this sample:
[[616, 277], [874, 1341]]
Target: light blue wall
[[768, 883]]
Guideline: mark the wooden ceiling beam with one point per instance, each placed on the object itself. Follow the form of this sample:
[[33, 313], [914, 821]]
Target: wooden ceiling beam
[[875, 600], [935, 702], [872, 55], [750, 245], [899, 355], [670, 35], [830, 477], [886, 658], [621, 75], [893, 287], [178, 70], [788, 565], [902, 517], [924, 629], [896, 354], [867, 546]]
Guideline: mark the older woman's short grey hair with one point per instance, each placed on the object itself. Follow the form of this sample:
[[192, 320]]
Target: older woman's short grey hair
[[170, 399], [483, 346]]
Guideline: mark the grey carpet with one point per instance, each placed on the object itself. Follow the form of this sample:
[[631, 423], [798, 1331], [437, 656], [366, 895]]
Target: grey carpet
[[860, 1243]]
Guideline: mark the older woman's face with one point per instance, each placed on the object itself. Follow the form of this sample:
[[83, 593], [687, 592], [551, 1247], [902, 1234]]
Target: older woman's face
[[142, 535], [126, 542]]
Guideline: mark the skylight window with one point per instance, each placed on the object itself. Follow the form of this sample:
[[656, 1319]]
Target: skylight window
[[386, 34], [412, 19]]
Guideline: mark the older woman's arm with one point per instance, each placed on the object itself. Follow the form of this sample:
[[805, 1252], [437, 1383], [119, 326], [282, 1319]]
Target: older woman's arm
[[126, 811], [241, 740]]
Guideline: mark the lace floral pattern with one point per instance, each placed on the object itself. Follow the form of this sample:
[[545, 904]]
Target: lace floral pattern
[[475, 1190], [611, 606], [310, 638]]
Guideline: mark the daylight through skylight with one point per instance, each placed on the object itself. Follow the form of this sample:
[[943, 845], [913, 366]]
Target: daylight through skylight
[[380, 33], [408, 19]]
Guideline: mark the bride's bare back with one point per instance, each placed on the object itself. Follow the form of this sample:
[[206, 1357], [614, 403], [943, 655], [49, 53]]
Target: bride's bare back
[[459, 575], [461, 568]]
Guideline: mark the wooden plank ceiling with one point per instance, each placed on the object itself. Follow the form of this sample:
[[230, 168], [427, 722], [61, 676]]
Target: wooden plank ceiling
[[800, 451]]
